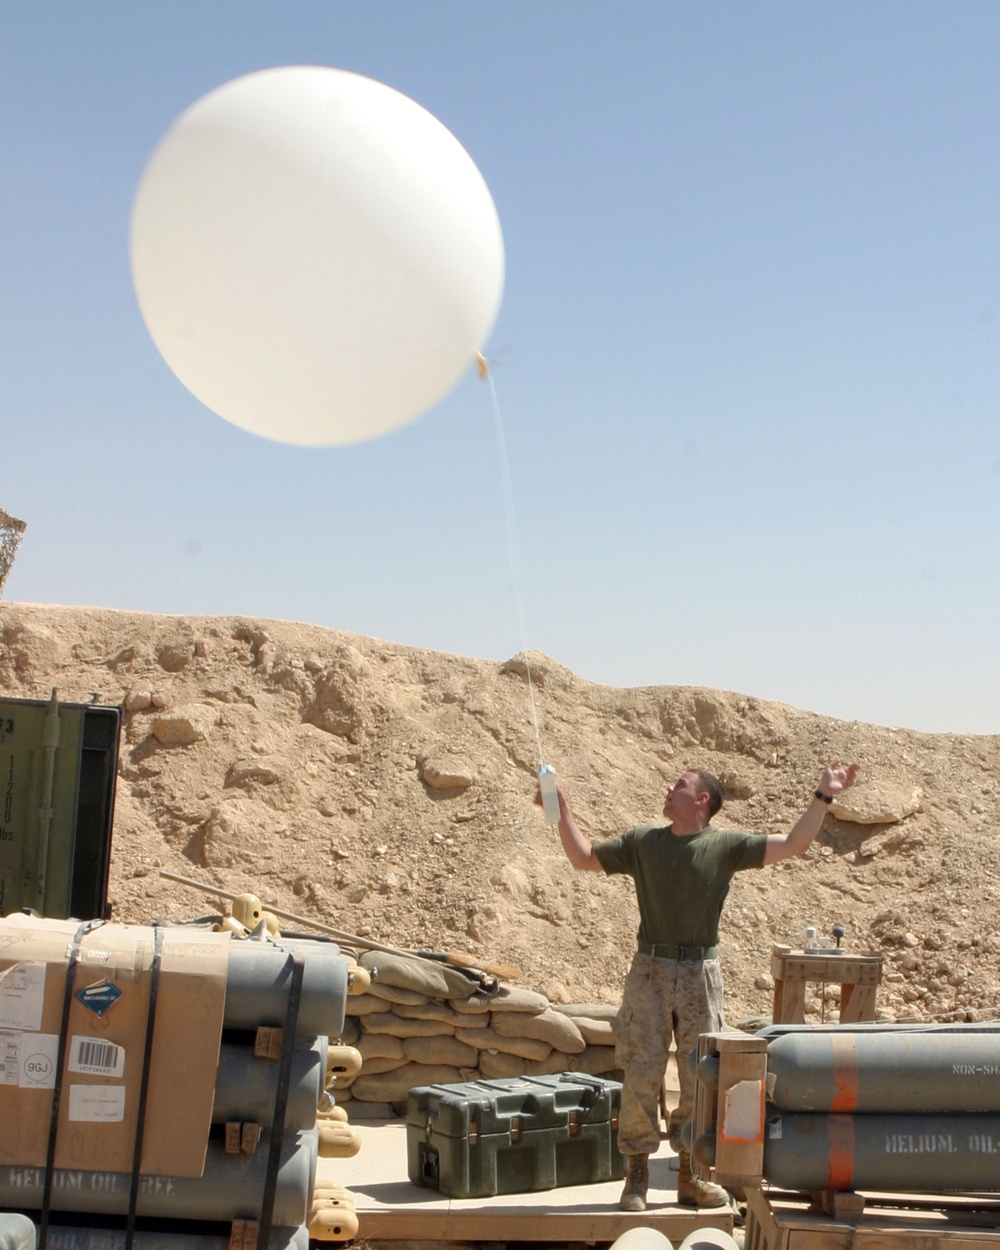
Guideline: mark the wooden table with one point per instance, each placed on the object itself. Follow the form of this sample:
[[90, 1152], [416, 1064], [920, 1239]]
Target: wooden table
[[857, 975]]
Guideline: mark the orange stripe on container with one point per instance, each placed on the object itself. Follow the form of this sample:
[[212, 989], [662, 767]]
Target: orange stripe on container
[[840, 1166], [845, 1071]]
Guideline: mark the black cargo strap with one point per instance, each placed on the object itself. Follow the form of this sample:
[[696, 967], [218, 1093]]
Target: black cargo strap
[[296, 964], [147, 1054], [661, 951], [50, 1159]]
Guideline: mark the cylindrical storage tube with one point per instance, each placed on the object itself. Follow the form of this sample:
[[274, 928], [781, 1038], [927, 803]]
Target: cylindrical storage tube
[[16, 1231], [229, 1189], [707, 1071], [259, 977], [771, 1031], [66, 1237], [906, 1072], [642, 1239], [246, 1085], [908, 1153], [709, 1239]]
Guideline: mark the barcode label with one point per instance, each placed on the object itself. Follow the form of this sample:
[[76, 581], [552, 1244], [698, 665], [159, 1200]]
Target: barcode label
[[96, 1057]]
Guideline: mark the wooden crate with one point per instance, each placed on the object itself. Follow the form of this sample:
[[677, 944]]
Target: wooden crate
[[903, 1222], [730, 1110], [857, 975]]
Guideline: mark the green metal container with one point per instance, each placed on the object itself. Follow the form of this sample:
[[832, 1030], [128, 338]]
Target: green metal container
[[513, 1135], [58, 767]]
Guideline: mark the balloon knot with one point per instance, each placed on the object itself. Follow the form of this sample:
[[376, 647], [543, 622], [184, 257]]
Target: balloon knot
[[482, 368]]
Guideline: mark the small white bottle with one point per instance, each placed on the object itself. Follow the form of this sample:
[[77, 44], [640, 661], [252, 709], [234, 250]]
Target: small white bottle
[[550, 797]]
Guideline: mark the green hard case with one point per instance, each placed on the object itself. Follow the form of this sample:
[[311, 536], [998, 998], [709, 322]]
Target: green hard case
[[474, 1139]]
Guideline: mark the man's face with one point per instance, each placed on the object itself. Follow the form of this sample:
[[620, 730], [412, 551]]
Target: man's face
[[686, 798]]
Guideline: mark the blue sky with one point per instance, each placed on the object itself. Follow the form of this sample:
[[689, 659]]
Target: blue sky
[[748, 355]]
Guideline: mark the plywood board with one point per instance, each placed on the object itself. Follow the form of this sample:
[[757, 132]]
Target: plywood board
[[391, 1208]]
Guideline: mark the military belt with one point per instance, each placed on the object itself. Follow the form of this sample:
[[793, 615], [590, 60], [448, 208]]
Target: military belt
[[661, 951]]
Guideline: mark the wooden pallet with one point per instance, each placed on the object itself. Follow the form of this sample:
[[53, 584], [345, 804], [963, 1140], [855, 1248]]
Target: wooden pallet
[[390, 1209], [888, 1222]]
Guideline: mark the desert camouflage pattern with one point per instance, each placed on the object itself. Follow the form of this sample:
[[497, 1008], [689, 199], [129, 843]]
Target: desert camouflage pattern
[[664, 1000]]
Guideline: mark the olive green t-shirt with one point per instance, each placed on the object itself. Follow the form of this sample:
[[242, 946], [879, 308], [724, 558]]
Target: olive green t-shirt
[[681, 882]]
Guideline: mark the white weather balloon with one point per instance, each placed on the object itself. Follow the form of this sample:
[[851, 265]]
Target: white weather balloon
[[316, 257]]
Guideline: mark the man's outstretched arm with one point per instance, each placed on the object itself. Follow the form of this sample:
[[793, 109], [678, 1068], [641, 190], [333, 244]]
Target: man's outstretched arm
[[579, 850], [836, 778]]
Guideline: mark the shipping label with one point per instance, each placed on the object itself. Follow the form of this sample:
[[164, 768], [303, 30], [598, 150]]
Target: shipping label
[[28, 1059], [96, 1057], [22, 996], [97, 1104]]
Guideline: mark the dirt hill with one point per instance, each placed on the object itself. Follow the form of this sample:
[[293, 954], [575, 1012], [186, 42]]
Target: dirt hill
[[386, 791]]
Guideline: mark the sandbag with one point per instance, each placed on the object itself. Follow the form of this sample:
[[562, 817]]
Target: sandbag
[[593, 1011], [548, 1026], [515, 998], [496, 1064], [378, 1063], [448, 1050], [396, 993], [489, 1039], [363, 1004], [380, 1046], [596, 1061], [350, 1033], [425, 976], [444, 1012], [395, 1086], [552, 1064], [596, 1032], [478, 1004], [389, 1022]]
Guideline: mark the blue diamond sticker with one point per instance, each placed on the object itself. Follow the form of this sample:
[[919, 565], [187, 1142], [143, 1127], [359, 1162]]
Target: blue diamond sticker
[[99, 997]]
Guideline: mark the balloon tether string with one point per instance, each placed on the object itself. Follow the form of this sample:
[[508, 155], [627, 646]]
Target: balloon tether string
[[512, 542]]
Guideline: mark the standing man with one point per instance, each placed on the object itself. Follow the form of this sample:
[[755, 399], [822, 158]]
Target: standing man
[[682, 873]]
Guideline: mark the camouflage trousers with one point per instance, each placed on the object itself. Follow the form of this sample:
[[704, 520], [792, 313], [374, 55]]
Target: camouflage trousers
[[664, 1000]]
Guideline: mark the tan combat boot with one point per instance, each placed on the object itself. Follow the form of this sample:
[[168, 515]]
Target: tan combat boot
[[692, 1191], [636, 1183]]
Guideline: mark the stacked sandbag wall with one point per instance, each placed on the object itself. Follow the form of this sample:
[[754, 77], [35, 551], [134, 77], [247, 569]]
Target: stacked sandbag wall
[[423, 1022]]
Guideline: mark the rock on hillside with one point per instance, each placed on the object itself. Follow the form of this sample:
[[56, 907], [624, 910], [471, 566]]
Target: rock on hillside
[[386, 791]]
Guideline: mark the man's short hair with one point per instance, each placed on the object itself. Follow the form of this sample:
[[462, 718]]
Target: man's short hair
[[713, 788]]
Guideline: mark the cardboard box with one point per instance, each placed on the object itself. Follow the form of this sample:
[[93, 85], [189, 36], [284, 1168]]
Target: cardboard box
[[105, 1045]]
